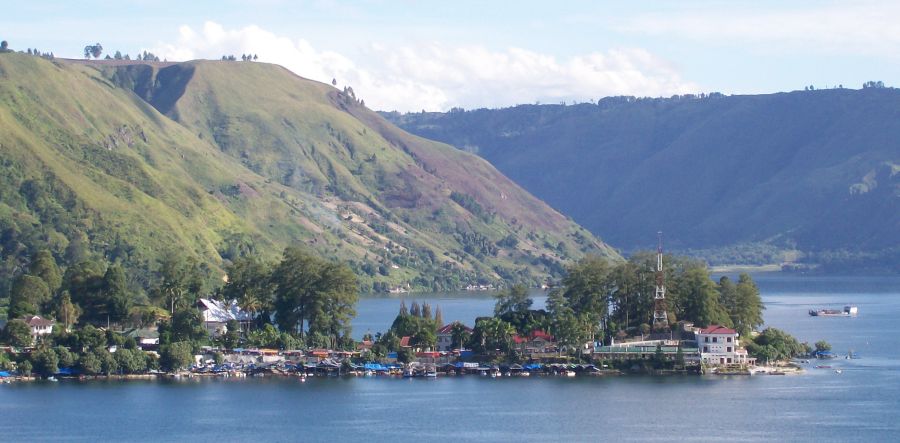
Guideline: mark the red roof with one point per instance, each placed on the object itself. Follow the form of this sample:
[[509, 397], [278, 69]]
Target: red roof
[[448, 328], [404, 342], [716, 329], [431, 354], [534, 335]]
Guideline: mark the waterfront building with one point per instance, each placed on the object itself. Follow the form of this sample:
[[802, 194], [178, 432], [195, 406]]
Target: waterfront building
[[39, 326], [646, 350], [719, 345]]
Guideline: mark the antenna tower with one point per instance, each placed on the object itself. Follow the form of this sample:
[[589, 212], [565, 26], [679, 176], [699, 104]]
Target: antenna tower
[[660, 317]]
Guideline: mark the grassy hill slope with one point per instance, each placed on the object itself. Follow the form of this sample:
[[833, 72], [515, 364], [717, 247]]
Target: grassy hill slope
[[217, 159], [738, 179]]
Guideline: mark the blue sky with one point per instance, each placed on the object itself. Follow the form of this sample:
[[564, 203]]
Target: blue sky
[[413, 55]]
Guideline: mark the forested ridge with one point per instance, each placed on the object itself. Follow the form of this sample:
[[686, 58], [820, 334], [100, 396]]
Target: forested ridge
[[808, 177]]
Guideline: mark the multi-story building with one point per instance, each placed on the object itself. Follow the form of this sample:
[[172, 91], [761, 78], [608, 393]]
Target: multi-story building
[[445, 336], [39, 326], [719, 345]]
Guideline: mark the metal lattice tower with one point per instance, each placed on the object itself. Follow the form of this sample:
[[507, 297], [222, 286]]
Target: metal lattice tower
[[660, 316]]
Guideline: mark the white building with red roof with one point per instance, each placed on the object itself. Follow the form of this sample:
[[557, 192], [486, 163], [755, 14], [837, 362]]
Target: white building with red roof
[[719, 345], [445, 336]]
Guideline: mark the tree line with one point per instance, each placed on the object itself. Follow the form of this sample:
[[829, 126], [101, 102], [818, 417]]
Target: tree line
[[597, 300], [302, 299]]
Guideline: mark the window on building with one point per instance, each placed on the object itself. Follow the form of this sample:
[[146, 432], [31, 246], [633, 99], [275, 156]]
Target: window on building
[[706, 339], [728, 349], [715, 339], [729, 359], [706, 349], [729, 339]]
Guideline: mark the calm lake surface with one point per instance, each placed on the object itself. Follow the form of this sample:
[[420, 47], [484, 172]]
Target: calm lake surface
[[862, 404]]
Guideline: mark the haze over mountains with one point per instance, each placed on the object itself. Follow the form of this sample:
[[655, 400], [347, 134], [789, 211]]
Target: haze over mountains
[[812, 176], [133, 160]]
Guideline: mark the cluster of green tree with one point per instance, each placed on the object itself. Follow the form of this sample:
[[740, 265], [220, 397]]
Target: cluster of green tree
[[470, 204], [47, 55], [312, 300], [776, 345], [4, 47], [85, 351], [599, 299], [144, 56], [95, 50], [416, 323], [753, 253], [306, 294], [244, 57]]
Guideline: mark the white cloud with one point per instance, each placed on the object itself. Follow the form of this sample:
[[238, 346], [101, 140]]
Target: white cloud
[[434, 76], [867, 27]]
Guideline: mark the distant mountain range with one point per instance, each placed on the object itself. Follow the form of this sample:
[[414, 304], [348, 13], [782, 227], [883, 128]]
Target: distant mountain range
[[807, 176], [214, 159]]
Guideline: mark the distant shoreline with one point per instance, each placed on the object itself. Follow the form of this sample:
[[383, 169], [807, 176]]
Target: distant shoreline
[[719, 269]]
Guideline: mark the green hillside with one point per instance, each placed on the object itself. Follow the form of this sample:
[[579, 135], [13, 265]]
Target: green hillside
[[808, 175], [130, 161]]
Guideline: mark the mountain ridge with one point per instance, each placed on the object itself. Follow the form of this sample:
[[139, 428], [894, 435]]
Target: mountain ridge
[[734, 178]]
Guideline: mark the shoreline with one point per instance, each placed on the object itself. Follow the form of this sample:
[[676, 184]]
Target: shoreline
[[603, 373]]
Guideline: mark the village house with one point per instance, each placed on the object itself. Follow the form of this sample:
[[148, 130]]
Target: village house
[[445, 336], [216, 314], [146, 338], [718, 345], [39, 326], [536, 342]]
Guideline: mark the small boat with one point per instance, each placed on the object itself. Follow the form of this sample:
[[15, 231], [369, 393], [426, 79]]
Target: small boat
[[823, 366], [570, 373], [51, 378], [848, 311], [838, 371]]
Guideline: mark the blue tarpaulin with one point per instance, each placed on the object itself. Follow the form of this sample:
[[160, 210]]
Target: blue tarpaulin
[[4, 374]]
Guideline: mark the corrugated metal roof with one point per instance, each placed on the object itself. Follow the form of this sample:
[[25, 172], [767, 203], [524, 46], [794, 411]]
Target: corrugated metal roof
[[214, 310]]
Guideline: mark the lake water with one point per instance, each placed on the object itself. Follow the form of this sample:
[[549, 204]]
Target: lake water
[[861, 404]]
